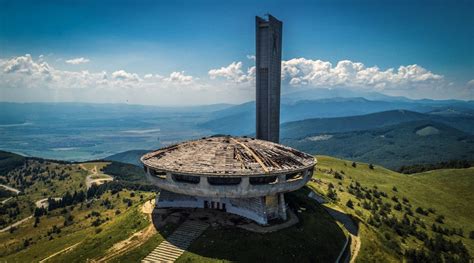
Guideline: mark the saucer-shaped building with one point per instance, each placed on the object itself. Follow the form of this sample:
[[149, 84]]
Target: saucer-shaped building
[[243, 176]]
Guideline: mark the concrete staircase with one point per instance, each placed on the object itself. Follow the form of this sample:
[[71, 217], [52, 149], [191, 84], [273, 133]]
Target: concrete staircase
[[175, 245]]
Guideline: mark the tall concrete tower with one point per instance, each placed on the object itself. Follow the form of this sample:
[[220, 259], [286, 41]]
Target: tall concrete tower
[[268, 82]]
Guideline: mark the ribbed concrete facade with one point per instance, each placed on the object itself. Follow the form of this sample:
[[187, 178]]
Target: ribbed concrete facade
[[268, 80]]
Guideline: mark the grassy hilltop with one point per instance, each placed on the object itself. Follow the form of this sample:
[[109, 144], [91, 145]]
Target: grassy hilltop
[[398, 211]]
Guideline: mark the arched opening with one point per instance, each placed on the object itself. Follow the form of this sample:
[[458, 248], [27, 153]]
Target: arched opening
[[294, 176], [224, 180], [158, 174], [258, 180], [183, 178]]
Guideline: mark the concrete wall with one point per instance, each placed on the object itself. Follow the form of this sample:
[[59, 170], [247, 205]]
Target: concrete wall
[[251, 208], [242, 190]]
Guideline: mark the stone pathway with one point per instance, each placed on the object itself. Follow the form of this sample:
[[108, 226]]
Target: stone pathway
[[175, 245]]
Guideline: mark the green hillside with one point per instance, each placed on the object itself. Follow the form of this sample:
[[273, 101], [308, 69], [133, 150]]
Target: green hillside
[[84, 223], [131, 157], [308, 127], [417, 142], [398, 211], [8, 161], [427, 214]]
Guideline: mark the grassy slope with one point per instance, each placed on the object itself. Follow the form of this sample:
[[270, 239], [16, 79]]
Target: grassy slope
[[93, 242], [8, 161], [142, 251], [448, 191], [41, 189]]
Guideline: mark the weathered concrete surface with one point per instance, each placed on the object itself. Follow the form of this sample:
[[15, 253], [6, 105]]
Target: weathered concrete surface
[[228, 156], [242, 190]]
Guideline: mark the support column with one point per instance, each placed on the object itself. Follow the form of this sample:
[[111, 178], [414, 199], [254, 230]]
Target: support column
[[282, 206]]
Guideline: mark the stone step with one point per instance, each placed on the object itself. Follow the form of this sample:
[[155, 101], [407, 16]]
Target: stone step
[[171, 249], [159, 259], [166, 253]]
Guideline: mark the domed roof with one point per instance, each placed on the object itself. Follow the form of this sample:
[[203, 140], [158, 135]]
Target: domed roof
[[225, 155]]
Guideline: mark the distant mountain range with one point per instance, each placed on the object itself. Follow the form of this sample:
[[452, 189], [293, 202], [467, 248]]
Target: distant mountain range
[[240, 119], [392, 138], [304, 128], [407, 143], [82, 131]]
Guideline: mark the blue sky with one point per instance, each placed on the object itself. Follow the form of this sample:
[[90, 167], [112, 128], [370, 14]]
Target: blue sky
[[194, 37]]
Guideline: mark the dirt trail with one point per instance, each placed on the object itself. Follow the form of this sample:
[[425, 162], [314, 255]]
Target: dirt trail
[[6, 200], [16, 224], [60, 252], [94, 172], [135, 240], [40, 203], [355, 248], [11, 189]]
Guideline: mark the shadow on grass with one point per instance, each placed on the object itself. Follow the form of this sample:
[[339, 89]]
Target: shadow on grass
[[316, 238], [344, 219]]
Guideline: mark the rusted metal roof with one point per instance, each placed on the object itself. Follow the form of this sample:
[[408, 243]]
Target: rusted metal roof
[[226, 155]]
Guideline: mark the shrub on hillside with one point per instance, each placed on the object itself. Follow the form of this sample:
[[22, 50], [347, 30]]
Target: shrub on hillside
[[421, 211], [350, 204], [440, 219], [398, 207], [418, 168]]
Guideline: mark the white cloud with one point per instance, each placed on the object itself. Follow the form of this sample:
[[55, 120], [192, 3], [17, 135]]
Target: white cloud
[[471, 82], [77, 61], [125, 76], [317, 73], [233, 72], [251, 57], [26, 65], [25, 72], [25, 79], [178, 77]]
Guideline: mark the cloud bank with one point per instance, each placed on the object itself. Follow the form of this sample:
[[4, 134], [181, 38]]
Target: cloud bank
[[304, 72], [231, 83], [77, 61]]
